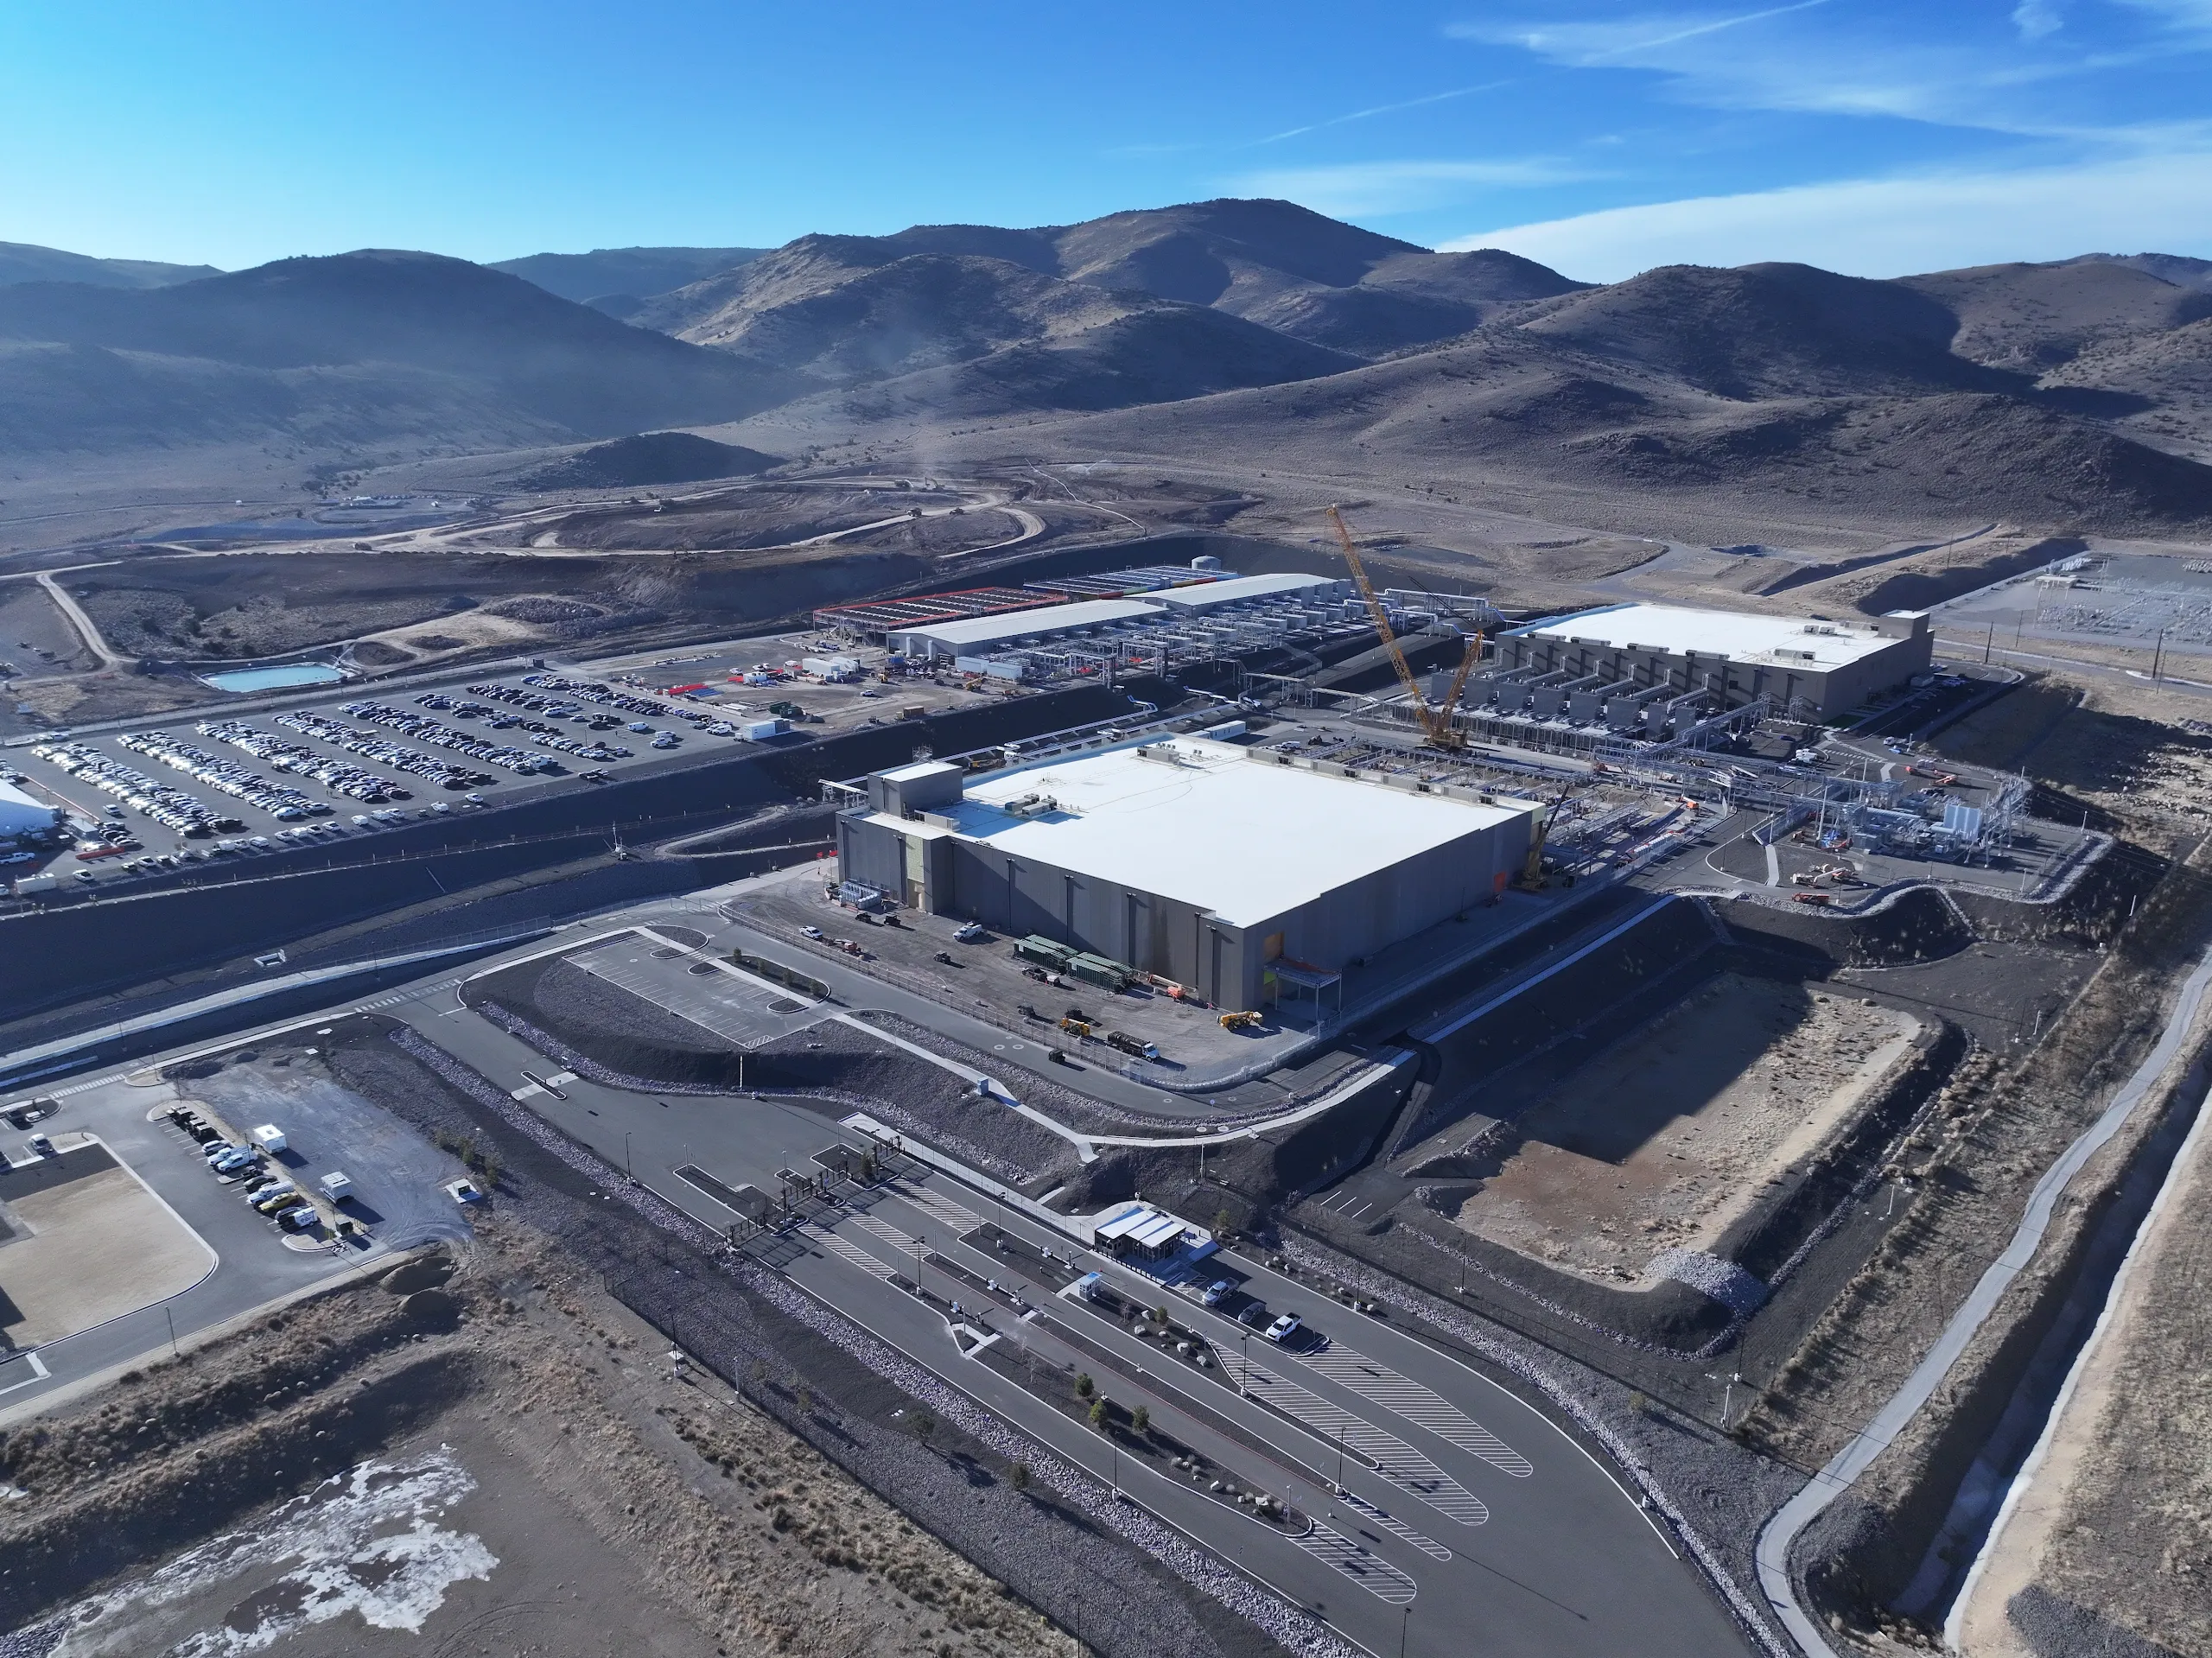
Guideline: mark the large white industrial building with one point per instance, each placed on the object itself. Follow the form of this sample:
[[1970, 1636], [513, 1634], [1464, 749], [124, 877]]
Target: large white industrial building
[[1733, 657], [982, 636], [1226, 869]]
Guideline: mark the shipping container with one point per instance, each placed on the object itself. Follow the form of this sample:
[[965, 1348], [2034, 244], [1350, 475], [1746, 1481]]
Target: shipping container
[[1044, 952]]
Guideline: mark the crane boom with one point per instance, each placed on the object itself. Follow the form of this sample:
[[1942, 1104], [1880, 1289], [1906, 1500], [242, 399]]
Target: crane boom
[[1436, 722]]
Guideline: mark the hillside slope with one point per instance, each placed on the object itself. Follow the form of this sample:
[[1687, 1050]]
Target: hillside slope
[[354, 348], [632, 275], [20, 262], [1273, 263]]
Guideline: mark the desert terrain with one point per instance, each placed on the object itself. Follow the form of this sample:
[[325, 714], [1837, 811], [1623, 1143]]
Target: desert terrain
[[1722, 1092], [470, 1449]]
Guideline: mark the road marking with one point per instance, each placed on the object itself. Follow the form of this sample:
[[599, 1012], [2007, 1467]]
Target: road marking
[[1395, 1527], [1369, 1569], [1422, 1406], [1391, 1456], [943, 1209], [851, 1254]]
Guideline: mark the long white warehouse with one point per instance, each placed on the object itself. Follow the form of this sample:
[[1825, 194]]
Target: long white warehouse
[[981, 635]]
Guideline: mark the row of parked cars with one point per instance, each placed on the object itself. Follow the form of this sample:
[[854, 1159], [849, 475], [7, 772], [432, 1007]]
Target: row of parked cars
[[412, 761], [279, 800], [270, 1192], [423, 729], [544, 735], [588, 690], [171, 807], [341, 776]]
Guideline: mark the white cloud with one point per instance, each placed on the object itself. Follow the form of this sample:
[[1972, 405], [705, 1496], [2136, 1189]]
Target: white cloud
[[1829, 62], [1377, 189], [1894, 226], [2036, 18]]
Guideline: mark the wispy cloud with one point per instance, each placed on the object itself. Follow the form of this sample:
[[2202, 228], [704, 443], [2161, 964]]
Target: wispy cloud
[[1380, 188], [1382, 109], [1828, 61], [1892, 226], [1591, 43]]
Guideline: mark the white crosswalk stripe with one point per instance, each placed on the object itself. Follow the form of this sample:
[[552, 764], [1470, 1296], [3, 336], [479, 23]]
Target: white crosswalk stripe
[[1395, 1527], [1369, 1569], [851, 1254], [1394, 1459], [943, 1209], [1423, 1407]]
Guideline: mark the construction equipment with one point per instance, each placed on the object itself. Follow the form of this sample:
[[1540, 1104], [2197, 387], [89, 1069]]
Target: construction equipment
[[1531, 878], [1436, 722], [1246, 1021], [1075, 1027]]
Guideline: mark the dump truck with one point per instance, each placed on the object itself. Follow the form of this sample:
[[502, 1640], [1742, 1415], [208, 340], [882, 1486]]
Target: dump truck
[[1135, 1045]]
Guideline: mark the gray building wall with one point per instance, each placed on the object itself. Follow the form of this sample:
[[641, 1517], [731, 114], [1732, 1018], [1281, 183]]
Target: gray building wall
[[1832, 691], [946, 874]]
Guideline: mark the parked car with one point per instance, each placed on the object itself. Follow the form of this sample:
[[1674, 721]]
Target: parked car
[[812, 932], [1285, 1327], [1256, 1314], [968, 934], [1217, 1291]]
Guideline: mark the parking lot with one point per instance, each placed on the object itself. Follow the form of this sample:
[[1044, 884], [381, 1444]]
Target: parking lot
[[347, 763]]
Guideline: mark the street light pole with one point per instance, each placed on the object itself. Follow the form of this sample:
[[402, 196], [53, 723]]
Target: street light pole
[[627, 1169]]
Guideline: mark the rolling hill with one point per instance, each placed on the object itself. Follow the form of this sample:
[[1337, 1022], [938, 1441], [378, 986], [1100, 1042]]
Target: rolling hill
[[359, 347], [20, 261]]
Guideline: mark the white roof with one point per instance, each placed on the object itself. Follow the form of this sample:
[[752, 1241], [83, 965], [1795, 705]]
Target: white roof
[[1244, 589], [919, 770], [1217, 827], [19, 812], [1781, 641], [980, 633]]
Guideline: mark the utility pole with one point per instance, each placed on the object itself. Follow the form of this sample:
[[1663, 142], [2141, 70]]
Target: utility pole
[[627, 1169], [2158, 657]]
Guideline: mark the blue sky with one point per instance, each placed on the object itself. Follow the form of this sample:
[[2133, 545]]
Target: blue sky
[[1871, 136]]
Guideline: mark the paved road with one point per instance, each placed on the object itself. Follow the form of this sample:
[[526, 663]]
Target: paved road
[[1555, 1560]]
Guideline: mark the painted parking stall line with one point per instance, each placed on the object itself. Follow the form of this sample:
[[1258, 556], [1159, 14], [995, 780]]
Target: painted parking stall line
[[1391, 1456], [1423, 1407], [1362, 1565], [1395, 1527]]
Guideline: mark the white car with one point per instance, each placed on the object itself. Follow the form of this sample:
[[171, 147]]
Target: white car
[[1285, 1327], [812, 932]]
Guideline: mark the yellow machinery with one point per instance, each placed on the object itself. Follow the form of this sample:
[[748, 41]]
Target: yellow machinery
[[1244, 1021], [1075, 1027], [1436, 722]]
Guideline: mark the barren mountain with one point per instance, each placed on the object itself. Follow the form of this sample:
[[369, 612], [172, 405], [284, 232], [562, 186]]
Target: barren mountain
[[1273, 262], [2033, 317], [1774, 392], [20, 261], [622, 275], [359, 347], [2177, 269]]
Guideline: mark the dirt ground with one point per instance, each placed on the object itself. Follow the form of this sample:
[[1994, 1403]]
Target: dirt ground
[[2114, 1530], [507, 1465], [1670, 1134], [2125, 750]]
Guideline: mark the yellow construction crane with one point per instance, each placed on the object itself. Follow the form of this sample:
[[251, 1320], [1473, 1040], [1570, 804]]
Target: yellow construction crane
[[1436, 722]]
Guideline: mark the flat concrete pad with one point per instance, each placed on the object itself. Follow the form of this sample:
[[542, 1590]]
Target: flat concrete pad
[[94, 1248]]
